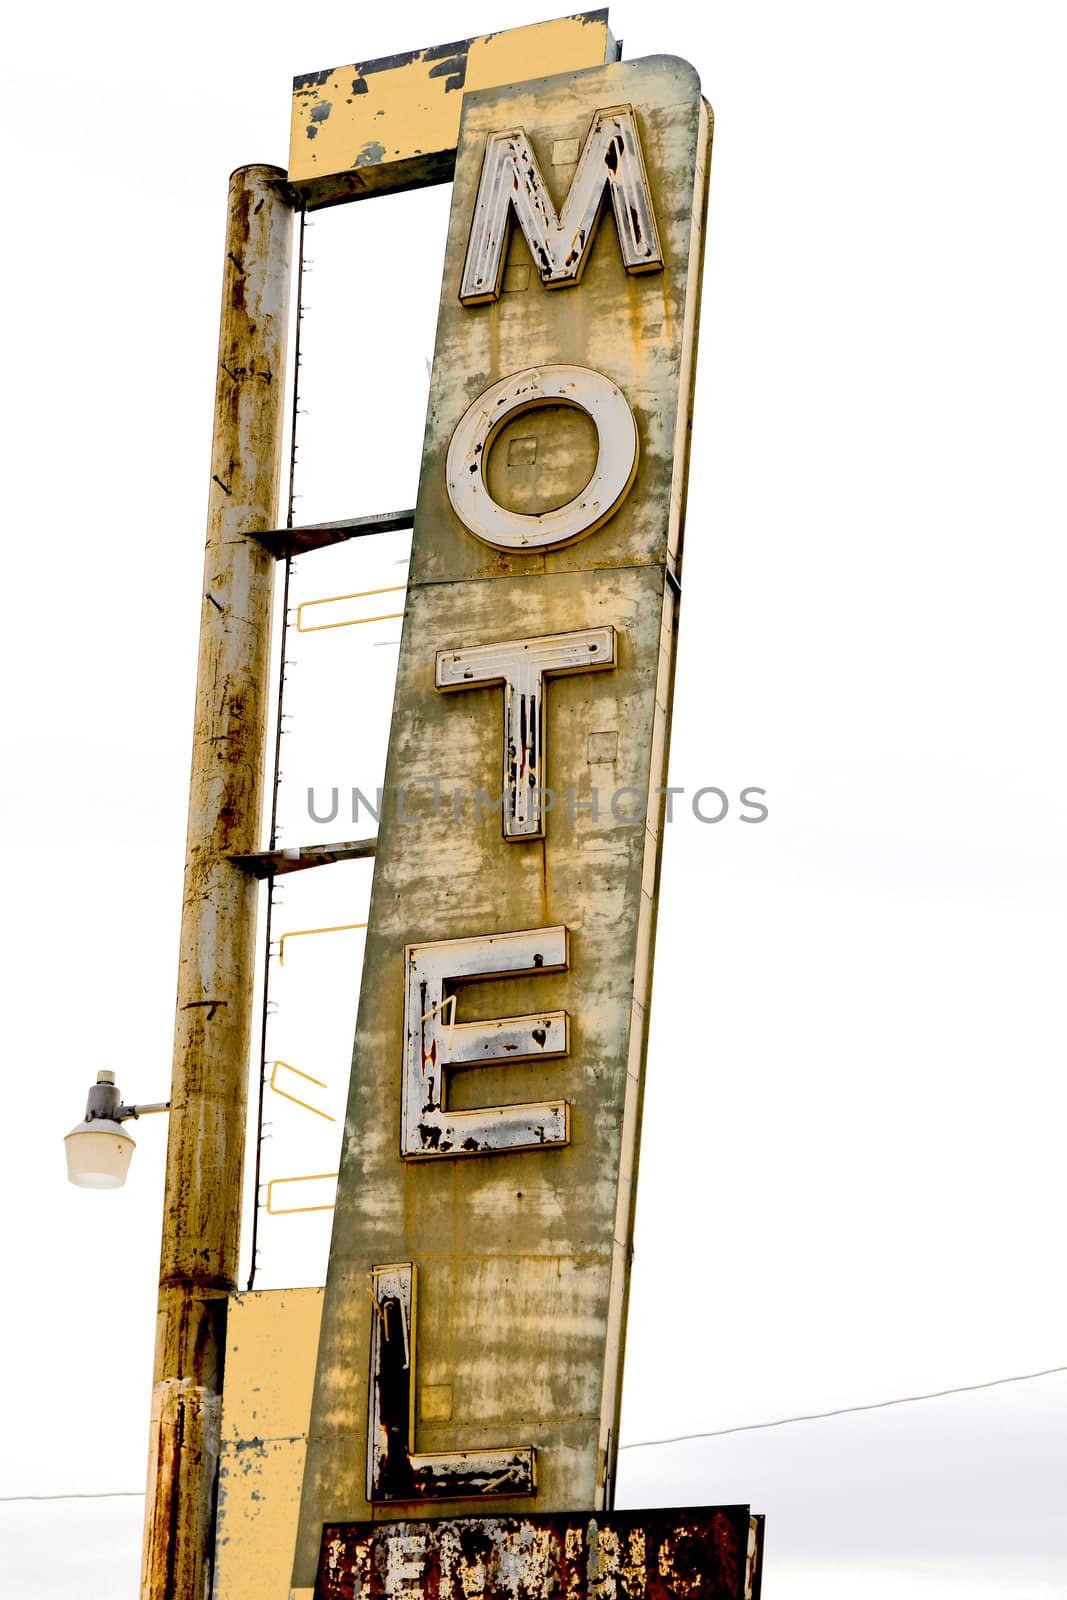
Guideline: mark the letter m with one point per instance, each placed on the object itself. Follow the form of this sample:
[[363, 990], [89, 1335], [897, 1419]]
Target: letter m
[[611, 160]]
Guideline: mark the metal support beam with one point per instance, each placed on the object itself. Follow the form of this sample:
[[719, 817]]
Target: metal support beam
[[275, 863], [205, 1150], [282, 542]]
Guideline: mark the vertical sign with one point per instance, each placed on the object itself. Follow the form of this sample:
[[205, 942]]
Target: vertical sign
[[472, 1332]]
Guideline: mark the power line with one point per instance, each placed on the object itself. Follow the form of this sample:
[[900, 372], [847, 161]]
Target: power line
[[844, 1411], [101, 1494], [678, 1438]]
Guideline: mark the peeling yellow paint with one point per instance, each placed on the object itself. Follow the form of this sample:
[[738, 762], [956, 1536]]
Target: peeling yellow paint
[[391, 123], [272, 1338]]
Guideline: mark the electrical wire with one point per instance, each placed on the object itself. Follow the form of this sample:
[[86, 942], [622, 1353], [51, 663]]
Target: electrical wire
[[678, 1438], [842, 1411], [102, 1494]]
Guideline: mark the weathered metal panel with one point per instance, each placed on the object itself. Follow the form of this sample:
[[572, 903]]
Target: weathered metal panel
[[700, 1553], [522, 1254], [270, 1368], [392, 124]]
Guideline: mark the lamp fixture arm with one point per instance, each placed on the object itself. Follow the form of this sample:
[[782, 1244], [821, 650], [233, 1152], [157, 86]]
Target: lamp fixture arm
[[121, 1113]]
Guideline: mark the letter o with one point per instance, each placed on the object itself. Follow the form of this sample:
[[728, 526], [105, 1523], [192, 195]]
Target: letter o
[[616, 462], [696, 805]]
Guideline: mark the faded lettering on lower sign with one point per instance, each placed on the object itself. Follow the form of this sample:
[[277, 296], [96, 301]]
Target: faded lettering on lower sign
[[699, 1553]]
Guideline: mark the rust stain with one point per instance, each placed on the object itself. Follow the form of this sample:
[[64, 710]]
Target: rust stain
[[701, 1553]]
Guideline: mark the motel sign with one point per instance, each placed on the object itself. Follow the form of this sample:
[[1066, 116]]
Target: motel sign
[[472, 1326], [463, 1364]]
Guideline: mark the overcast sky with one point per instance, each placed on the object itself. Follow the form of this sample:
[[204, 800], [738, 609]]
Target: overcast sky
[[857, 1003]]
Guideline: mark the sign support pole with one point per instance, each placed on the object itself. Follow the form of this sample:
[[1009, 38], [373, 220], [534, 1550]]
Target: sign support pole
[[209, 1086]]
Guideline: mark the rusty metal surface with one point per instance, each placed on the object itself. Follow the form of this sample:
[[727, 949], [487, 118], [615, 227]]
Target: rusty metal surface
[[205, 1150], [523, 1253], [700, 1553], [377, 126]]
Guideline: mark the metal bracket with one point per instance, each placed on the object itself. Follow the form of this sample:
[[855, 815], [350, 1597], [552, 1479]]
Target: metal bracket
[[275, 863], [349, 622], [273, 1084], [286, 542], [302, 933]]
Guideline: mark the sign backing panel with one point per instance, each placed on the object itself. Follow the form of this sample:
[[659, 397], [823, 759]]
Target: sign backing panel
[[519, 1251]]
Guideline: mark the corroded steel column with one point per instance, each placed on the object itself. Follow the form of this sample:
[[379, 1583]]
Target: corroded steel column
[[202, 1206]]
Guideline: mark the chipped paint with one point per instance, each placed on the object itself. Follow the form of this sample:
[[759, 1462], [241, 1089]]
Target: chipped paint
[[512, 184], [521, 666], [395, 1470], [270, 1368], [394, 123], [701, 1553], [434, 1041], [531, 390]]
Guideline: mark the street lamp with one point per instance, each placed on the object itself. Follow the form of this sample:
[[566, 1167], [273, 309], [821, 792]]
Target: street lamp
[[99, 1149]]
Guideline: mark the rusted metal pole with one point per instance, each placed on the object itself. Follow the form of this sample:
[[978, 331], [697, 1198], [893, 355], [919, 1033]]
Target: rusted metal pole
[[205, 1150]]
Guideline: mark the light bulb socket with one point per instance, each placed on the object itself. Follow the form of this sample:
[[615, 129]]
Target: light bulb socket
[[104, 1099]]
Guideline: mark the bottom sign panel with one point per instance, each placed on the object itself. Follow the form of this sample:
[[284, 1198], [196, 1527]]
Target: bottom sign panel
[[699, 1553]]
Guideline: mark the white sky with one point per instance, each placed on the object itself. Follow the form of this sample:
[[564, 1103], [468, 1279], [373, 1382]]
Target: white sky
[[852, 1168]]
